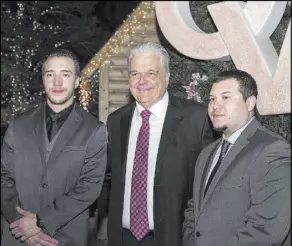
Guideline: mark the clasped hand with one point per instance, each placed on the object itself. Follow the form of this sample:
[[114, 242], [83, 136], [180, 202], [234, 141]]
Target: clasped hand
[[26, 229]]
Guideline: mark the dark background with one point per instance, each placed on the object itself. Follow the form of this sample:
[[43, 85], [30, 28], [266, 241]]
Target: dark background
[[31, 29]]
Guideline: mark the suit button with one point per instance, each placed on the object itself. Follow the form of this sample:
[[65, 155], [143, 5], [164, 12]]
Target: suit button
[[44, 185], [198, 234]]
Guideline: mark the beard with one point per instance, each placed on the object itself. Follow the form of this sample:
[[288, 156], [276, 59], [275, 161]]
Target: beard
[[220, 128], [61, 101]]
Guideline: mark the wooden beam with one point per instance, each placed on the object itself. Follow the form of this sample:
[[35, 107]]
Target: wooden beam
[[103, 92]]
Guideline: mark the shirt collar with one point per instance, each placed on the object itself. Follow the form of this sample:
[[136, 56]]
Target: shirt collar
[[234, 136], [63, 113], [158, 109]]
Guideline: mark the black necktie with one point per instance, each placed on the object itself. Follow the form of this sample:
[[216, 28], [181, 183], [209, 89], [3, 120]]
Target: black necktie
[[54, 128], [224, 149]]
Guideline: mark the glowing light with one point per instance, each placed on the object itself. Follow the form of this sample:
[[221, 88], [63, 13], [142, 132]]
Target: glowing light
[[121, 36]]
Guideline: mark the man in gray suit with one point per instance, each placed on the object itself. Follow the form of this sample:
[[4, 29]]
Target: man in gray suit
[[241, 191], [53, 162]]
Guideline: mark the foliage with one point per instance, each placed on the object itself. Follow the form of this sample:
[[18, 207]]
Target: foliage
[[31, 29], [191, 89], [183, 68]]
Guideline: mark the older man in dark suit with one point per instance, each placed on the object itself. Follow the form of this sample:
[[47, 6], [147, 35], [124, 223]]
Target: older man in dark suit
[[53, 161], [242, 185], [153, 146]]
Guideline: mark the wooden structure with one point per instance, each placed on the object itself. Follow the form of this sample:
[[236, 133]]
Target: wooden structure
[[111, 62]]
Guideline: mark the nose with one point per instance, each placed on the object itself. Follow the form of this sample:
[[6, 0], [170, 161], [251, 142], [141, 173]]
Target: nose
[[142, 79], [57, 81], [216, 104]]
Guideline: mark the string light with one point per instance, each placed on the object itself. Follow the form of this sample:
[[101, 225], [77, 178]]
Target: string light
[[17, 97], [120, 38], [21, 68]]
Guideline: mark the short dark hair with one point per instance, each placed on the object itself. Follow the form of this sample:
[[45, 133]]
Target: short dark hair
[[63, 53], [247, 84]]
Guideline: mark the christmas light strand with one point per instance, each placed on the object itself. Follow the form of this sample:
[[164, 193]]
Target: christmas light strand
[[120, 38], [18, 65]]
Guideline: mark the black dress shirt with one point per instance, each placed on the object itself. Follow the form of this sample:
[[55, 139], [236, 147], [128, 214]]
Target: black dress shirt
[[56, 118]]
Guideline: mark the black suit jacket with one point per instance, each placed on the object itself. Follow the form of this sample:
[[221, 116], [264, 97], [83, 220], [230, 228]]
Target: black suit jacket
[[186, 131]]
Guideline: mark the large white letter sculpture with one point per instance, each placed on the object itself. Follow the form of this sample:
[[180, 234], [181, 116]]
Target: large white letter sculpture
[[244, 31]]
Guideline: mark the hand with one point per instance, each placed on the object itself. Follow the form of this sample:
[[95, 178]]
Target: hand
[[41, 239], [25, 227]]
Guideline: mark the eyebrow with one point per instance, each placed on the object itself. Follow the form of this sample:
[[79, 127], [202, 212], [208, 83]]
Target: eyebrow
[[225, 92], [131, 71], [66, 71], [153, 70], [150, 70]]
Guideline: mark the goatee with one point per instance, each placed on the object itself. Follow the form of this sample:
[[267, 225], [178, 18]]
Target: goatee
[[220, 129]]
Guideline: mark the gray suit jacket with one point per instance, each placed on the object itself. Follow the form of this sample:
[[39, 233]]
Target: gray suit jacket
[[61, 189], [248, 201]]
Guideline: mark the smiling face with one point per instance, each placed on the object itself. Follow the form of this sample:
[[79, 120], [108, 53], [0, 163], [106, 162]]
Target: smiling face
[[227, 108], [60, 81], [148, 79]]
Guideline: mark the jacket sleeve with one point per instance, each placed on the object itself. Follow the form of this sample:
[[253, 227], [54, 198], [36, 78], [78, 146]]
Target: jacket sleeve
[[108, 176], [9, 195], [189, 225], [208, 136], [67, 207], [268, 220]]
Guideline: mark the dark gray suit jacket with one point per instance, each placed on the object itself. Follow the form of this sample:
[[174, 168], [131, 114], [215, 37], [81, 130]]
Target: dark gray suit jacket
[[62, 189], [186, 131], [249, 200]]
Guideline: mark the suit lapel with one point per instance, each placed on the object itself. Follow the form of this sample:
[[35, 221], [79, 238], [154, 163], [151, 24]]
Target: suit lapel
[[232, 153], [172, 120], [40, 131], [202, 172], [125, 125], [239, 144], [67, 131]]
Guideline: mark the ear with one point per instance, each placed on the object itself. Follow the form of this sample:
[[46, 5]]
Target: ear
[[77, 81], [167, 79], [251, 103]]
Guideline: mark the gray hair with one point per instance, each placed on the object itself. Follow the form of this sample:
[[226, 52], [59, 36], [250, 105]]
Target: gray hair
[[151, 47], [63, 53]]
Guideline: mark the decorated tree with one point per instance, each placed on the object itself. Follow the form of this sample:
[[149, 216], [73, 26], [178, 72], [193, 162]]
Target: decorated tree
[[29, 30]]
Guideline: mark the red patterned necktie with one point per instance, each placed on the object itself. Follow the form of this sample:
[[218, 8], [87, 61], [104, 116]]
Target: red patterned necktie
[[139, 224]]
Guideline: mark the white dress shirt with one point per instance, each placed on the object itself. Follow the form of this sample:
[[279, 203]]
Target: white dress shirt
[[158, 112], [234, 136]]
